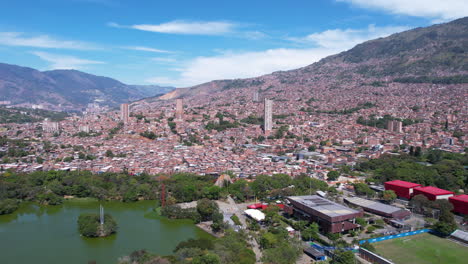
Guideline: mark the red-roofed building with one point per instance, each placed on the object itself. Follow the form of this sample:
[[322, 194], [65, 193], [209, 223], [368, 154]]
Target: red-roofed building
[[460, 203], [262, 206], [403, 189], [433, 193], [255, 206]]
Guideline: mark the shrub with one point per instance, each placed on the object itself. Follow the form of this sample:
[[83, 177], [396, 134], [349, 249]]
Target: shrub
[[8, 206], [236, 220], [371, 229], [175, 212], [49, 199]]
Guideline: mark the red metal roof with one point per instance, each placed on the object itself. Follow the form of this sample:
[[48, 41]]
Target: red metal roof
[[462, 197], [434, 190], [403, 184], [255, 206], [263, 206]]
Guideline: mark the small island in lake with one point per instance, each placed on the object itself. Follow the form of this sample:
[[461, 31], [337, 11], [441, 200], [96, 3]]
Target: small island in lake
[[90, 225]]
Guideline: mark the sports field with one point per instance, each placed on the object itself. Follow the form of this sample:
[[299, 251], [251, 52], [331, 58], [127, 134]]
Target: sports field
[[422, 249]]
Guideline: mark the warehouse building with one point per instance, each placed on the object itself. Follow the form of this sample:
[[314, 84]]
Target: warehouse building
[[377, 208], [460, 203], [460, 235], [315, 254], [331, 217], [433, 193], [403, 189]]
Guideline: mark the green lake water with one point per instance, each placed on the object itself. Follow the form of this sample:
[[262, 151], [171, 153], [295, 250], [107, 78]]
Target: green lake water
[[49, 234]]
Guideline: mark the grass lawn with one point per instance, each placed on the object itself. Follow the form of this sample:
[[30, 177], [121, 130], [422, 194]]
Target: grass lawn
[[422, 249]]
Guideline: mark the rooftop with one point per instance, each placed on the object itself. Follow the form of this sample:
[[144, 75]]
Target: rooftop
[[403, 183], [462, 197], [434, 190], [462, 235], [373, 205], [323, 206]]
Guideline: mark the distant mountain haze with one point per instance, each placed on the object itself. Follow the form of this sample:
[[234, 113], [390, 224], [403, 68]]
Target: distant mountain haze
[[70, 89]]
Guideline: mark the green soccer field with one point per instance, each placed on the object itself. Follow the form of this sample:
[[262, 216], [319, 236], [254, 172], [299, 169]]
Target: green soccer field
[[422, 249]]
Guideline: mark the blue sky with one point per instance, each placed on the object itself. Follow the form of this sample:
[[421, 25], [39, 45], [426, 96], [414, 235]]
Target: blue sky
[[184, 43]]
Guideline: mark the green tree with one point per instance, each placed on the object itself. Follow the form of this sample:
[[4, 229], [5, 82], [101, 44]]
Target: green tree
[[418, 152], [271, 214], [202, 243], [39, 160], [49, 199], [361, 221], [281, 180], [419, 202], [8, 206], [130, 195], [343, 257], [368, 246], [371, 229], [363, 189], [268, 240], [212, 192], [89, 225], [81, 155], [262, 185], [333, 175], [311, 232], [286, 252], [445, 228], [206, 209], [388, 196], [68, 159], [233, 249], [208, 258]]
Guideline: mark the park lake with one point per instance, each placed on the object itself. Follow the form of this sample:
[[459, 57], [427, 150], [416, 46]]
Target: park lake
[[49, 234]]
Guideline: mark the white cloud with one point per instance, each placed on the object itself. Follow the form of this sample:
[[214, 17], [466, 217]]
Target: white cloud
[[162, 80], [141, 48], [229, 65], [254, 35], [435, 9], [41, 41], [346, 38], [64, 61], [185, 27], [164, 60]]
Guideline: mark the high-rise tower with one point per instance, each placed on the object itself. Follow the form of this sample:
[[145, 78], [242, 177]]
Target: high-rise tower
[[398, 126], [268, 116], [390, 125], [256, 96], [179, 109], [124, 113], [395, 126]]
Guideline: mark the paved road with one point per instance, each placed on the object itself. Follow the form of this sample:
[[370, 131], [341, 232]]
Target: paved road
[[232, 208]]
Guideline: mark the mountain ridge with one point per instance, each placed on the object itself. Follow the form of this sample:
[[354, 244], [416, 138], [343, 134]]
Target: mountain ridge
[[437, 50], [67, 89]]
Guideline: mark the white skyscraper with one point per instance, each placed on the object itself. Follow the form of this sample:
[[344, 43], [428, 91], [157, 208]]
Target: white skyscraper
[[179, 109], [268, 116], [256, 96], [124, 113]]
